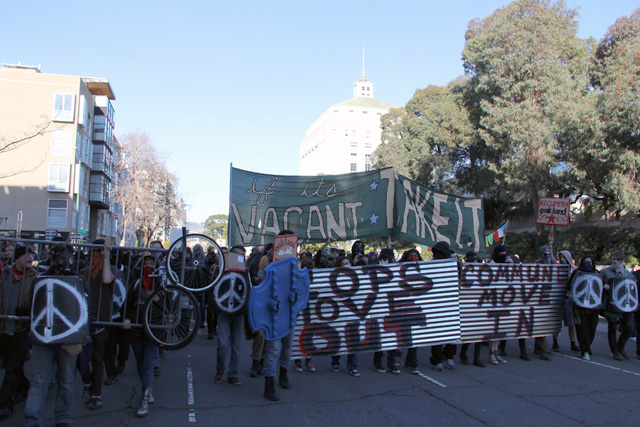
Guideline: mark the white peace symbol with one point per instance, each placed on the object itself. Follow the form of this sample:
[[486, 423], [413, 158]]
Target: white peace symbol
[[119, 295], [50, 311], [624, 295], [587, 290], [230, 302]]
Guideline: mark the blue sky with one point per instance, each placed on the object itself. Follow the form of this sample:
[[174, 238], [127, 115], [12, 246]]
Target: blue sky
[[215, 83]]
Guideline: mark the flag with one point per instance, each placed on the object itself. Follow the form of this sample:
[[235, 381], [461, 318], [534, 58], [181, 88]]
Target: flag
[[497, 235]]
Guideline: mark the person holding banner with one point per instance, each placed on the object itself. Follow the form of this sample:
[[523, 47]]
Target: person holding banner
[[16, 289], [258, 347], [541, 347], [585, 319], [616, 270], [566, 258], [477, 347]]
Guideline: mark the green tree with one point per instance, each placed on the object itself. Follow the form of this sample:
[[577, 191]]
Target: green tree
[[216, 226], [526, 64]]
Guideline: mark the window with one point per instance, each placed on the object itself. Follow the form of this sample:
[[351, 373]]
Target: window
[[368, 134], [365, 112], [61, 142], [354, 167], [367, 167], [59, 177], [57, 213], [354, 154], [64, 105]]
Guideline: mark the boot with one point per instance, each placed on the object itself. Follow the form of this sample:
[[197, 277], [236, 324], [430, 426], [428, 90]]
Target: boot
[[255, 366], [284, 380], [150, 399], [270, 389], [261, 367], [143, 409]]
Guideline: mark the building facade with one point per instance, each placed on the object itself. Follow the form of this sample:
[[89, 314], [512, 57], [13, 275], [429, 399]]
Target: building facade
[[57, 148], [343, 138]]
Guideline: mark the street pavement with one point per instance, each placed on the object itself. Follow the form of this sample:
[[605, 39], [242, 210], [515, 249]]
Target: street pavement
[[565, 391]]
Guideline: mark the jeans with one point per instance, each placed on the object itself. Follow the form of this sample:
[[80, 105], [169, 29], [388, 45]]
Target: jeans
[[117, 344], [391, 358], [147, 355], [278, 352], [230, 329], [352, 361], [45, 360]]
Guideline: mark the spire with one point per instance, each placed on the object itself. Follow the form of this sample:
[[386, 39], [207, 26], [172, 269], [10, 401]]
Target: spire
[[363, 75]]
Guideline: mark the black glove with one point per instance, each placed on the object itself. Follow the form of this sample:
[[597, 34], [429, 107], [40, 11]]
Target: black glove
[[22, 311]]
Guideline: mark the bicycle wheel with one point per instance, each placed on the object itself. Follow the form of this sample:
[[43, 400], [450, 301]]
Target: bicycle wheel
[[171, 317], [194, 273]]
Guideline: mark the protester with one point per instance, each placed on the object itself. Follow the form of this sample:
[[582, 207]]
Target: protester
[[617, 270], [585, 319], [541, 347], [566, 258]]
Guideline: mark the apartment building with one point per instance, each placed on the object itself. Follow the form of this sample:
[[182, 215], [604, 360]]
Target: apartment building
[[57, 148]]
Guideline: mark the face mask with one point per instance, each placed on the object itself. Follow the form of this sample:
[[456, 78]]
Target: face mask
[[618, 269], [587, 266]]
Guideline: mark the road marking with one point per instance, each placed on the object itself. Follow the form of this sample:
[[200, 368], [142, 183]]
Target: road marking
[[436, 382], [190, 393], [601, 364]]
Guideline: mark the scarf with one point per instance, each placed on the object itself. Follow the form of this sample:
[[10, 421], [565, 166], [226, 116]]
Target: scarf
[[147, 281], [17, 274]]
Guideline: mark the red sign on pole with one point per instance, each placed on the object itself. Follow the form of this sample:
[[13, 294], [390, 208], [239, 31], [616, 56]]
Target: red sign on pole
[[553, 211]]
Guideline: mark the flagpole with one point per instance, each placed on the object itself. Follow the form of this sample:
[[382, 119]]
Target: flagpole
[[504, 238]]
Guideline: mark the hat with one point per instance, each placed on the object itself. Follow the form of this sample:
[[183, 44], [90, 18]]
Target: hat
[[471, 256], [387, 253], [442, 248], [21, 250], [544, 249]]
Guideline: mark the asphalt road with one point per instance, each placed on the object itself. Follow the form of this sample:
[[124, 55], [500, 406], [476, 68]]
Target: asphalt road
[[565, 391]]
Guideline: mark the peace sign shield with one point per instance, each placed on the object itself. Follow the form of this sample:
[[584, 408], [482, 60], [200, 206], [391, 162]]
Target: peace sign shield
[[59, 313], [624, 295], [231, 293], [586, 290]]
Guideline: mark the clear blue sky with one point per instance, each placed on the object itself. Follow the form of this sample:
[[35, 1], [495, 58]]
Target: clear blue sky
[[215, 83]]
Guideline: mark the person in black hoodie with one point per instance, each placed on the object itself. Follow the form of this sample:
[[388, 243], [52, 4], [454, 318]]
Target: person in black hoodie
[[586, 319]]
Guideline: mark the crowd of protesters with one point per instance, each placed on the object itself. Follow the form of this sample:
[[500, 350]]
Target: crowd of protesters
[[115, 327]]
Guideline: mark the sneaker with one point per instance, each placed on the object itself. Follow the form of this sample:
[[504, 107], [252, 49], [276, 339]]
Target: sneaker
[[354, 373], [450, 363], [210, 336], [111, 380], [545, 356], [393, 370], [298, 366], [555, 347], [574, 347], [379, 368], [86, 394], [438, 367], [94, 403], [233, 380], [464, 360], [493, 359], [310, 366], [219, 377], [479, 363], [501, 360], [525, 356], [624, 353], [633, 339], [413, 370], [335, 368], [617, 356], [585, 356]]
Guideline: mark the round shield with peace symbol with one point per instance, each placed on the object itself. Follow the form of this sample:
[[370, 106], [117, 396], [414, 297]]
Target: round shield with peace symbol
[[624, 295], [586, 290], [59, 314], [231, 293]]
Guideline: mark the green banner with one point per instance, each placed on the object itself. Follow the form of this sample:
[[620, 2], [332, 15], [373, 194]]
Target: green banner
[[351, 206]]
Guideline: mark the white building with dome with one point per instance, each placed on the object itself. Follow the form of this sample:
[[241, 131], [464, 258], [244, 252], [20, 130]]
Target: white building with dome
[[343, 138]]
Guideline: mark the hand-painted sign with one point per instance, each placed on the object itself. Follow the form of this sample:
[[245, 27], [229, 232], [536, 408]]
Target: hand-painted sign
[[59, 314], [375, 307], [506, 301], [285, 246], [274, 304], [351, 206], [624, 295], [384, 307], [553, 211], [586, 290]]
